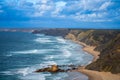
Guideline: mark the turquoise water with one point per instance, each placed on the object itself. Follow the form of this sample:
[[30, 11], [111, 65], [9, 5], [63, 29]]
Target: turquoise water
[[22, 53]]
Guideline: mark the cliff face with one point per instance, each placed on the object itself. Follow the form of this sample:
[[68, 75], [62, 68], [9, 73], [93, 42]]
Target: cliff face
[[109, 58], [97, 38], [106, 41]]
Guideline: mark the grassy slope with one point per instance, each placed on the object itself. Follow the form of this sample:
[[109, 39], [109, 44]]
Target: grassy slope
[[107, 42]]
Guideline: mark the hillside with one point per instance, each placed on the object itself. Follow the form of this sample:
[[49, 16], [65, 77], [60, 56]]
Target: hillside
[[109, 58], [106, 41]]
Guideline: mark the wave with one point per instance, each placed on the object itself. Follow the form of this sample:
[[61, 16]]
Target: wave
[[34, 76], [66, 53], [34, 51], [21, 71], [24, 71], [26, 74], [6, 73], [50, 39], [63, 61], [9, 55], [49, 63], [61, 40], [49, 57], [43, 40], [40, 35], [27, 51]]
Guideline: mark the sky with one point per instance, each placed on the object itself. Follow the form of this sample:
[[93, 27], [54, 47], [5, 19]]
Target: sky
[[96, 14]]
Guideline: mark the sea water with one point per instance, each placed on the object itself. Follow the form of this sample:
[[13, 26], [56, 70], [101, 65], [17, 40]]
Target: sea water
[[22, 53]]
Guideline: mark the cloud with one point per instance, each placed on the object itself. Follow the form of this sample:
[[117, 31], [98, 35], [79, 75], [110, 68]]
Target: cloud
[[86, 10], [44, 1], [95, 10], [81, 10], [48, 8], [92, 17], [105, 5], [42, 7], [59, 6], [91, 11]]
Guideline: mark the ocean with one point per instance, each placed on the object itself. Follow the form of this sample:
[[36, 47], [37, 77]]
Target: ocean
[[21, 53]]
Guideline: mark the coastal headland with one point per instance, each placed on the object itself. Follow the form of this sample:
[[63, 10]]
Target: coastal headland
[[104, 45]]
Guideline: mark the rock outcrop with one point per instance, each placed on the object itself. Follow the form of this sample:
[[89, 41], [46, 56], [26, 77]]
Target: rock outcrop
[[58, 68], [53, 68]]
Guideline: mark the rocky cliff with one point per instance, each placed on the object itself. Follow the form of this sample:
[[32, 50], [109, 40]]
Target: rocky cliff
[[106, 41], [109, 58]]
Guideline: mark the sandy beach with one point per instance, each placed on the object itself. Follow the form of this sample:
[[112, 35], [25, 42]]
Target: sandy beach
[[96, 75], [90, 49]]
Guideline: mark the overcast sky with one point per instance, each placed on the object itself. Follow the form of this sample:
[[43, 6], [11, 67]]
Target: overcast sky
[[60, 13]]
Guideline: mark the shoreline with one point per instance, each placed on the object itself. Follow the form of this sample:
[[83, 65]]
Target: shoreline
[[95, 75], [90, 50]]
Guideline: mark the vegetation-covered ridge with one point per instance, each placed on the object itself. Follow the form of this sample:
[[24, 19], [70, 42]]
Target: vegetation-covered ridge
[[106, 41]]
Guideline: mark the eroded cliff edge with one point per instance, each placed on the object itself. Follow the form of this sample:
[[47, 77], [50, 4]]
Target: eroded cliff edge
[[106, 41]]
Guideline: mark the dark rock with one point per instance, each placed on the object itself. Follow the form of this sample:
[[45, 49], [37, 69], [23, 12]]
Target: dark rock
[[52, 32], [56, 68]]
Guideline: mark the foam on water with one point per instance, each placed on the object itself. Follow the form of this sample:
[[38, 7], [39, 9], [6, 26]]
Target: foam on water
[[20, 71], [43, 40], [6, 73], [27, 73], [34, 51], [40, 35], [34, 76], [61, 40], [43, 65], [49, 57], [24, 71], [66, 53], [49, 63], [62, 61], [9, 55]]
